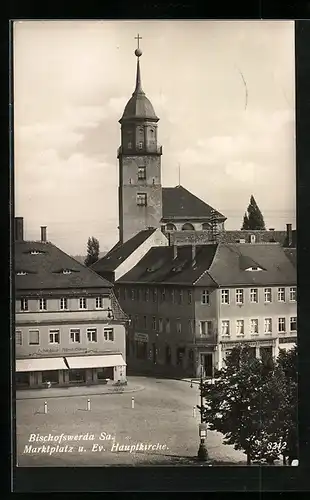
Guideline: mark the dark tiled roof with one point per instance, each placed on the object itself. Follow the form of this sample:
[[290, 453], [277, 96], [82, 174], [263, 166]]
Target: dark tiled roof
[[115, 257], [159, 265], [179, 203], [44, 270], [226, 269], [291, 253]]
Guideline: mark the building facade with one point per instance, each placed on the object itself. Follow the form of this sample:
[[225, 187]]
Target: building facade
[[188, 312], [69, 327]]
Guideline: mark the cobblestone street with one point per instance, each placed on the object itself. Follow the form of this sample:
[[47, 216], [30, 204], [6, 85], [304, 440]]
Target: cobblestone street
[[162, 417]]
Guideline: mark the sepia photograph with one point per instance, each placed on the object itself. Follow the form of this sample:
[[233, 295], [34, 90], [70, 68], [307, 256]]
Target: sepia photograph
[[154, 267]]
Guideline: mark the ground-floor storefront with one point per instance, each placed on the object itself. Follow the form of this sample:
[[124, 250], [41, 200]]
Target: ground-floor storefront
[[259, 348], [70, 370], [169, 358]]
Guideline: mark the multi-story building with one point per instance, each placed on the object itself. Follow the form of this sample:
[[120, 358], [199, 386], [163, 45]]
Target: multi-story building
[[190, 305], [69, 327]]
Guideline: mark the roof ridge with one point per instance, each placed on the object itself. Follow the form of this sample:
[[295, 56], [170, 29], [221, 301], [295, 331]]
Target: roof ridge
[[81, 265]]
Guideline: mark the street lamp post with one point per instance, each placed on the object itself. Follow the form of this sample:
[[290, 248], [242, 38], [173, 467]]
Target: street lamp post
[[202, 451]]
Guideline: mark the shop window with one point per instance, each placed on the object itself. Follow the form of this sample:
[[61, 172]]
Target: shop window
[[50, 376], [77, 376]]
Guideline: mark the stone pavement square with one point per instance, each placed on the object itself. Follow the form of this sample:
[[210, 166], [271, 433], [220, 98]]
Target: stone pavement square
[[112, 432]]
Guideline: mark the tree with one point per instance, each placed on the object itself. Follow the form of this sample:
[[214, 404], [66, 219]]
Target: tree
[[248, 404], [253, 219], [92, 251]]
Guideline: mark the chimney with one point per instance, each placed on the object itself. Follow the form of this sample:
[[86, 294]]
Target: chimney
[[43, 234], [19, 228], [193, 252], [289, 235], [175, 251]]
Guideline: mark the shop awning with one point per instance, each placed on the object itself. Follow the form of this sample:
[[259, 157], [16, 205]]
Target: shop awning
[[104, 361], [40, 364]]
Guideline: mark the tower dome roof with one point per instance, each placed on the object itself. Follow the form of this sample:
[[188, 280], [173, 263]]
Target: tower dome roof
[[139, 106]]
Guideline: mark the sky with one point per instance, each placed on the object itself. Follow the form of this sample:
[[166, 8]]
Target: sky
[[225, 95]]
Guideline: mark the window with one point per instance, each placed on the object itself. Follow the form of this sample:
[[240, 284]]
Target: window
[[268, 325], [91, 334], [163, 295], [281, 325], [253, 295], [225, 327], [18, 337], [141, 173], [75, 336], [267, 294], [293, 294], [254, 326], [189, 296], [160, 324], [42, 304], [21, 273], [99, 303], [136, 320], [140, 144], [66, 271], [205, 296], [225, 296], [144, 322], [83, 303], [153, 323], [293, 324], [24, 304], [63, 303], [168, 355], [34, 337], [54, 336], [180, 297], [154, 295], [172, 296], [178, 325], [129, 145], [281, 294], [132, 294], [141, 350], [167, 325], [141, 199], [239, 296], [240, 327], [108, 334], [147, 294], [205, 327]]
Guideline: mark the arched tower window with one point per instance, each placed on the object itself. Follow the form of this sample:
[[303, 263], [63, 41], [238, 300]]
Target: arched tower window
[[206, 226], [170, 227], [188, 227]]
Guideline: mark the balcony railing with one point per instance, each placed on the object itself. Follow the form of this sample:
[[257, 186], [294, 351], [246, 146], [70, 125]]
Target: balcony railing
[[148, 150]]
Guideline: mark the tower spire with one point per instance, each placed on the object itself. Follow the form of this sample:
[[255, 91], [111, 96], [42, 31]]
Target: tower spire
[[138, 53]]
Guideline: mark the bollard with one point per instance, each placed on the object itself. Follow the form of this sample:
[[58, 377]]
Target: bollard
[[132, 402], [45, 407], [88, 405], [194, 411]]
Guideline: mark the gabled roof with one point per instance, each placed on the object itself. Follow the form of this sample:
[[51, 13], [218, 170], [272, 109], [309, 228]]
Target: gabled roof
[[160, 266], [215, 265], [226, 270], [179, 203], [120, 253], [44, 269]]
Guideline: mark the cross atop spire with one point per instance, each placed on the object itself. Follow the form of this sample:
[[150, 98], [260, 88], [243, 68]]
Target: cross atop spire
[[138, 38]]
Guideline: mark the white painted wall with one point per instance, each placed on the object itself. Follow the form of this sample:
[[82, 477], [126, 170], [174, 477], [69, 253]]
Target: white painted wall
[[157, 239]]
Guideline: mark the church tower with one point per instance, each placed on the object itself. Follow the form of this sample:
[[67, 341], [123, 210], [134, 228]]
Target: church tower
[[140, 190]]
